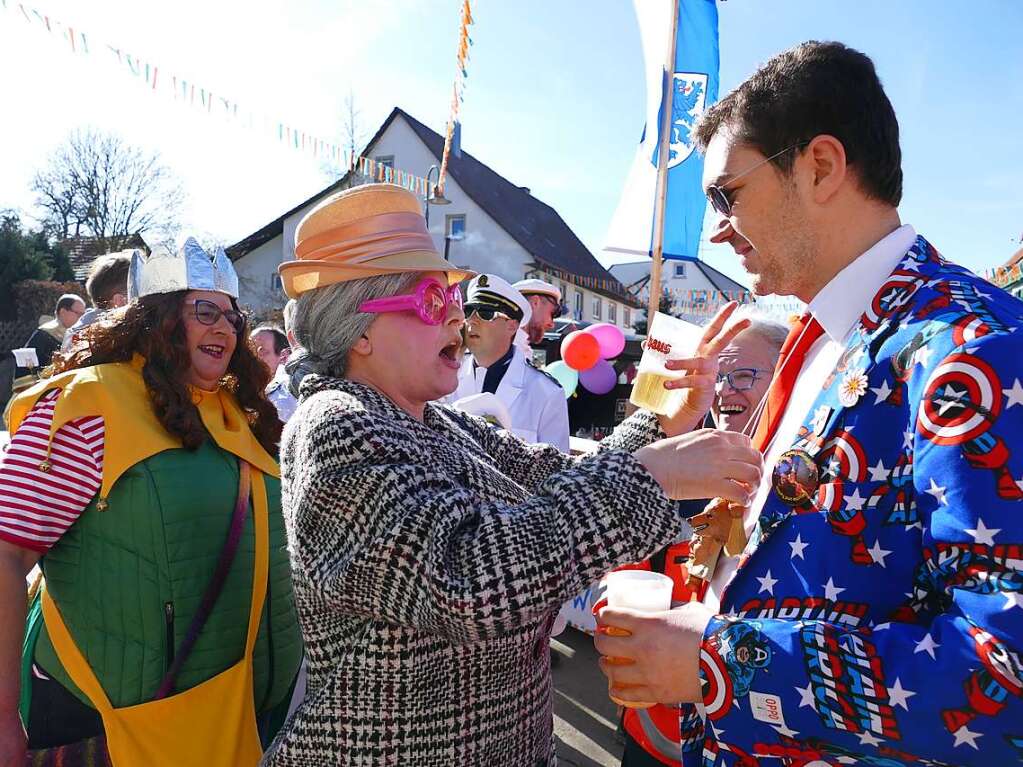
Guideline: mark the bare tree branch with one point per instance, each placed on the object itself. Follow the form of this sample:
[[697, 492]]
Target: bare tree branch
[[353, 136], [97, 185]]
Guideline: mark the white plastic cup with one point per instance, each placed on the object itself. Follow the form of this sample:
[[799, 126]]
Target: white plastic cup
[[639, 590]]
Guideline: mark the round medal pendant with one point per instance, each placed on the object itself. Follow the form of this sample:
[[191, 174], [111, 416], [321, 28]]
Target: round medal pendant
[[795, 478]]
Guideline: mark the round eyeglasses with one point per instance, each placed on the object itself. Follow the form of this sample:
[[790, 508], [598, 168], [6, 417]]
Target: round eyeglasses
[[742, 379], [208, 313], [429, 299]]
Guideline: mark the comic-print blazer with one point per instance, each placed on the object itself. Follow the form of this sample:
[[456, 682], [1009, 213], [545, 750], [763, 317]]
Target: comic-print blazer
[[880, 622]]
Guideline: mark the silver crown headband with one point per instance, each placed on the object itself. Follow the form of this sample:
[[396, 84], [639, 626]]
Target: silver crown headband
[[190, 268]]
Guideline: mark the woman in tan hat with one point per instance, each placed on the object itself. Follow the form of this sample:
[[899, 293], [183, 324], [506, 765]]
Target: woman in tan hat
[[431, 552]]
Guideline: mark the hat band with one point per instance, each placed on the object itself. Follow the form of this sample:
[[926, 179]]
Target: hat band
[[370, 238]]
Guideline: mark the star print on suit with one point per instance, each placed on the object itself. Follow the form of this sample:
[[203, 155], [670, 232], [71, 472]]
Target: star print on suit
[[905, 566]]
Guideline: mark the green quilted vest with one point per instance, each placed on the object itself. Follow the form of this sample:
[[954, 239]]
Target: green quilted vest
[[128, 580]]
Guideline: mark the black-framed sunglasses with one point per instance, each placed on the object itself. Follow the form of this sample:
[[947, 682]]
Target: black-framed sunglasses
[[560, 310], [485, 313], [742, 379], [208, 313], [717, 196]]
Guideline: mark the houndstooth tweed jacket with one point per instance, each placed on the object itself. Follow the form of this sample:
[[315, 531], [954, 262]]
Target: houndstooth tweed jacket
[[429, 560]]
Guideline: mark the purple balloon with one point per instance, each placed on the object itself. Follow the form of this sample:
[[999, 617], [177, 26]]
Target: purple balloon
[[610, 338], [599, 379]]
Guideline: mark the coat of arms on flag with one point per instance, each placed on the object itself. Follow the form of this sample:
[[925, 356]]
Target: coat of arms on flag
[[689, 98]]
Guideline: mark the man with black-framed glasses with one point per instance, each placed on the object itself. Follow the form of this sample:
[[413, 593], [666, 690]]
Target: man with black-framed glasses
[[535, 403], [745, 368]]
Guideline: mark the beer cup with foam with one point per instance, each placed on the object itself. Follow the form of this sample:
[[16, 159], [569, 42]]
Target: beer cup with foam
[[667, 338], [638, 590]]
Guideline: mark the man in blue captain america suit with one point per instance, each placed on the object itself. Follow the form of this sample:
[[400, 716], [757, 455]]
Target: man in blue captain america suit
[[888, 596]]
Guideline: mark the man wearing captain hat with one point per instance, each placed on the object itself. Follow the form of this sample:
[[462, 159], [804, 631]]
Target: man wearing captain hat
[[494, 312], [545, 302]]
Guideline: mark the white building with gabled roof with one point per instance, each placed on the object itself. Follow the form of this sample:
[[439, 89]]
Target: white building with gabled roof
[[491, 225]]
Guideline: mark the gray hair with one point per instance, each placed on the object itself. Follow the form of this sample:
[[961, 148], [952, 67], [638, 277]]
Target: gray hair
[[289, 314], [328, 323], [769, 329]]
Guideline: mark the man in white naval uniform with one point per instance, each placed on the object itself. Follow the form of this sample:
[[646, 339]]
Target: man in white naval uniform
[[536, 403]]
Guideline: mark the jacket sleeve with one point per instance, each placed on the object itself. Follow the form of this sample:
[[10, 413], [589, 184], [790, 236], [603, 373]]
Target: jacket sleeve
[[383, 536], [553, 427], [942, 679], [529, 464]]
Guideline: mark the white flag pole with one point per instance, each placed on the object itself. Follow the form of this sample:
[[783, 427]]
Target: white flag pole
[[664, 144]]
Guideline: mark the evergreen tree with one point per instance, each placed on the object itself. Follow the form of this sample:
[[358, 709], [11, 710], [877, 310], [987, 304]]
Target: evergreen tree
[[26, 255]]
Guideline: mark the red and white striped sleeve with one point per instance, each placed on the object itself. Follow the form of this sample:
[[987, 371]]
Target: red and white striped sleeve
[[37, 506]]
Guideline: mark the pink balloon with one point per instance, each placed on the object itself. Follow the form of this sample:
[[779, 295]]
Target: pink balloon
[[610, 338], [599, 379]]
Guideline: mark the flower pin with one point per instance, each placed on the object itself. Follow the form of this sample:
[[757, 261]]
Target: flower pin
[[853, 386]]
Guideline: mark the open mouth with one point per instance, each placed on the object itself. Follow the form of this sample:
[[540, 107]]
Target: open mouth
[[449, 354], [732, 409], [216, 352]]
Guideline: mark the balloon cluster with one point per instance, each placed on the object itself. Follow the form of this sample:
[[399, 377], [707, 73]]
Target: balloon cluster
[[584, 359]]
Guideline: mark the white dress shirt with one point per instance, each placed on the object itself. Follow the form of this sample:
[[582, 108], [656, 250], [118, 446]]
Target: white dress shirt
[[837, 307], [280, 395]]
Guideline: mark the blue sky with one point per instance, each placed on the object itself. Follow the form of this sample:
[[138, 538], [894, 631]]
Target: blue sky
[[554, 98]]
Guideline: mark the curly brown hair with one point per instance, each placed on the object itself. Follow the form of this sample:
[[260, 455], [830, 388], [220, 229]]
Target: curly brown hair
[[153, 326]]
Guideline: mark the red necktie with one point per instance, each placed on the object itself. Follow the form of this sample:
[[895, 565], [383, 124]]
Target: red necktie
[[790, 362]]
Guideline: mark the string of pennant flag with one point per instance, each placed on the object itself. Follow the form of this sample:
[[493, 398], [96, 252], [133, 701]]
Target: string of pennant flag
[[702, 296], [452, 138], [1003, 275], [378, 171], [595, 283], [186, 92]]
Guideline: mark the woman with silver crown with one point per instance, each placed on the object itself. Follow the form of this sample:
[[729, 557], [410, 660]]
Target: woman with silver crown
[[140, 478]]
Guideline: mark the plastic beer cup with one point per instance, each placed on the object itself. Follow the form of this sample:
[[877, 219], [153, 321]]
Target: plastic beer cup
[[638, 590], [667, 338]]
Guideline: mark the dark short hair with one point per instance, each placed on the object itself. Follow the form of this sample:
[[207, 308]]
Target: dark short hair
[[66, 301], [280, 340], [816, 88], [107, 277]]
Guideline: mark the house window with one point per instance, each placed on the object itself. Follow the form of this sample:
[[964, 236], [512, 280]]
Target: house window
[[612, 312], [627, 317], [578, 313], [596, 307], [455, 229], [275, 283], [386, 160], [564, 292], [680, 270]]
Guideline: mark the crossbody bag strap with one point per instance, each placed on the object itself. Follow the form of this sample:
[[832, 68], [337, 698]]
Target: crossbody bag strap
[[216, 584]]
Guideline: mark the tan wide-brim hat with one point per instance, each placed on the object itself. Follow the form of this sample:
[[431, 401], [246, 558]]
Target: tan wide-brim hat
[[363, 232]]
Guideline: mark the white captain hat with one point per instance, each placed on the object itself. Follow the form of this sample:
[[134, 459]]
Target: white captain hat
[[492, 292], [535, 287]]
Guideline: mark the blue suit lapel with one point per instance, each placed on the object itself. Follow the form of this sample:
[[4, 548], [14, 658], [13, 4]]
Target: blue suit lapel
[[825, 435]]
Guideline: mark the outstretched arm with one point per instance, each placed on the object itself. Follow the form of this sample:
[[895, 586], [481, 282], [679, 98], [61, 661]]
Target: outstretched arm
[[385, 537]]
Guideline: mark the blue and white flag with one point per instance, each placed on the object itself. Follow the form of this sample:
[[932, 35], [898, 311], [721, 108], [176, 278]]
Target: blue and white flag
[[694, 88]]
